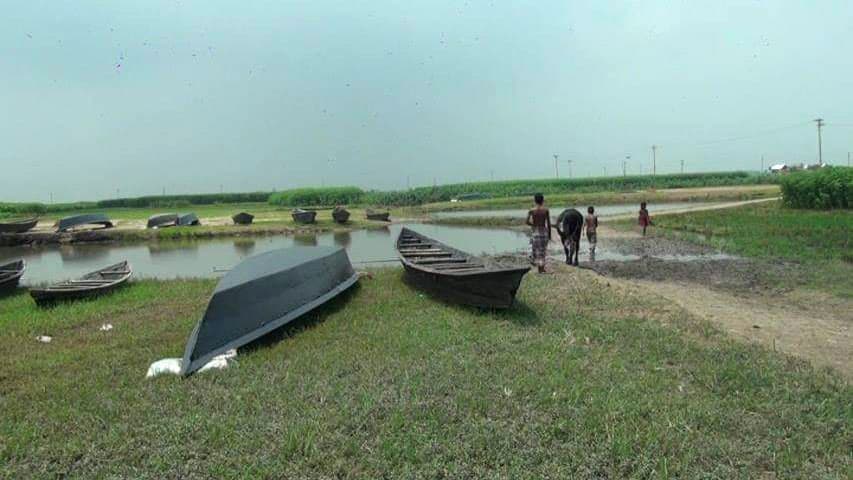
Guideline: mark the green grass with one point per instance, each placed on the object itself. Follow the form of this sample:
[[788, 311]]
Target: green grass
[[818, 240], [389, 383]]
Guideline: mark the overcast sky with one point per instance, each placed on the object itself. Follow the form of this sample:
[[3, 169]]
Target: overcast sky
[[190, 95]]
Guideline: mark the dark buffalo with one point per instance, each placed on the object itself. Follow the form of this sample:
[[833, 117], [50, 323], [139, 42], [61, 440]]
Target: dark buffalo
[[569, 226]]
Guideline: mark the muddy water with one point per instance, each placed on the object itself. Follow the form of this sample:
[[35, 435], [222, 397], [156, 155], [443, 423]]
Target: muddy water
[[201, 258], [601, 211]]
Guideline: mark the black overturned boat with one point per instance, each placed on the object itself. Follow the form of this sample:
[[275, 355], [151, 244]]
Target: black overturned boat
[[162, 220], [303, 216], [18, 226], [10, 274], [242, 218], [340, 215], [85, 220], [378, 216], [457, 276], [92, 284], [188, 220], [263, 293]]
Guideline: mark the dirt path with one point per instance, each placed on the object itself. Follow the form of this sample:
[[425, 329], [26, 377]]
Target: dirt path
[[741, 296]]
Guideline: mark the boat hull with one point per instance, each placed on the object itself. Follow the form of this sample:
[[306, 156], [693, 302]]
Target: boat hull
[[92, 219], [263, 293], [340, 215], [163, 220], [188, 220], [455, 276], [10, 275], [90, 285], [482, 290], [243, 218], [19, 226], [304, 216], [379, 217]]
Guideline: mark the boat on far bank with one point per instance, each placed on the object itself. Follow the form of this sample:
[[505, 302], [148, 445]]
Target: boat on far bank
[[303, 216], [242, 218], [188, 219], [457, 276], [85, 220], [340, 215], [380, 216], [10, 274], [89, 285], [18, 226], [162, 220]]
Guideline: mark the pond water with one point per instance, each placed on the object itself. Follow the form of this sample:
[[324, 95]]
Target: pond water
[[201, 258], [601, 211]]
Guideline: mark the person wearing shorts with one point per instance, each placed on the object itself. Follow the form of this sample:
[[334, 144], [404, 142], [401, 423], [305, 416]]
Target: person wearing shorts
[[591, 225]]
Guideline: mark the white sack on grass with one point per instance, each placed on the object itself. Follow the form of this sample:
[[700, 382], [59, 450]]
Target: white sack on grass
[[106, 327], [44, 338], [173, 365]]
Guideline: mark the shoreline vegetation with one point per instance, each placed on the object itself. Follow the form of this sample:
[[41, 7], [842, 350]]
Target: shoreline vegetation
[[354, 196], [386, 381]]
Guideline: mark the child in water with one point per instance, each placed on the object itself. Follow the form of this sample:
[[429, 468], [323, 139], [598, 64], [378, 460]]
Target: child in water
[[540, 219], [591, 225], [644, 219]]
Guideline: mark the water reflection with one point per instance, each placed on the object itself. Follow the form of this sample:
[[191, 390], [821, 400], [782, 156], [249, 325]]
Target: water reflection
[[244, 246], [305, 239], [342, 239], [199, 258]]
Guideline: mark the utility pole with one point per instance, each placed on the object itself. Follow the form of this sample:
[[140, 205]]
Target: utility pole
[[682, 166], [408, 183], [164, 191], [569, 161], [51, 193], [624, 164], [492, 173], [605, 171], [117, 193], [762, 164], [556, 170], [654, 158], [848, 159], [819, 122], [220, 188]]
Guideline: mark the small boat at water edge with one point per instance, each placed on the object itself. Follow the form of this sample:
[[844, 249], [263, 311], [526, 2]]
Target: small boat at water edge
[[18, 226], [242, 218], [10, 274], [303, 216], [86, 219], [263, 293], [89, 285], [457, 276], [162, 220], [378, 216], [340, 215]]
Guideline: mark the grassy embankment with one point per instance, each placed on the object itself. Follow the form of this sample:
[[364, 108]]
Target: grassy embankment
[[580, 200], [820, 241], [389, 383]]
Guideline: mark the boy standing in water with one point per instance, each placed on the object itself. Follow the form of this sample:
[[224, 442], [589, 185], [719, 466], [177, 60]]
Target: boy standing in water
[[644, 218], [591, 224], [540, 219]]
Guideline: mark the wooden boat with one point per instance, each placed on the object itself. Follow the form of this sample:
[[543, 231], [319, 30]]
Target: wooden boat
[[87, 219], [10, 274], [340, 215], [162, 220], [303, 216], [89, 285], [242, 218], [18, 226], [263, 293], [188, 220], [456, 276], [379, 216]]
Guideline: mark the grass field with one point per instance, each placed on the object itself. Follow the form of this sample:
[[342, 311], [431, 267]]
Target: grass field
[[819, 240], [735, 193], [577, 381]]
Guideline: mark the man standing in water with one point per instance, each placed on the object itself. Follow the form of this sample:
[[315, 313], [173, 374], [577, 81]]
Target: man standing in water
[[591, 224], [540, 219]]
